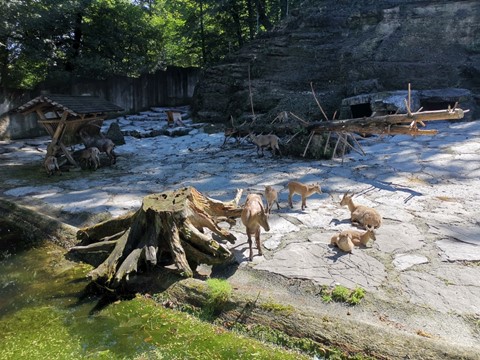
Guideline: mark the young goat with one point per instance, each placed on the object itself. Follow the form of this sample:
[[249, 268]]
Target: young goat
[[295, 187], [90, 157], [343, 242], [51, 165], [263, 141], [346, 239], [254, 216], [103, 144], [363, 215], [272, 197]]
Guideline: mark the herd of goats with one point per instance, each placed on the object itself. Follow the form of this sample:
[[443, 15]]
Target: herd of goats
[[254, 215], [89, 157]]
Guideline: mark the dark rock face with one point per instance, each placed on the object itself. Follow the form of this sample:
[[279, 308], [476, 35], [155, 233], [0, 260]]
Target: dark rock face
[[346, 48]]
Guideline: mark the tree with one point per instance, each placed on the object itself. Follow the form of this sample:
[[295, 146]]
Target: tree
[[62, 39]]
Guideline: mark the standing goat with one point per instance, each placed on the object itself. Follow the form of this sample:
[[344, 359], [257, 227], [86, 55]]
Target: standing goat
[[103, 144], [305, 190], [272, 197], [90, 157], [365, 216], [263, 141], [51, 165], [254, 216]]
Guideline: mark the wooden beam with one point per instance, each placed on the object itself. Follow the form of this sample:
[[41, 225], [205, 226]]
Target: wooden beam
[[71, 121], [40, 114]]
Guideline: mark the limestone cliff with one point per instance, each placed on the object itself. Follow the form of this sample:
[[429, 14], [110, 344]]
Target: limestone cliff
[[346, 48]]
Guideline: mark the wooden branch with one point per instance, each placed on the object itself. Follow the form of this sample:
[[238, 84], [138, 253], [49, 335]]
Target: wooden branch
[[308, 143], [106, 229], [98, 246], [107, 269], [178, 252], [318, 103]]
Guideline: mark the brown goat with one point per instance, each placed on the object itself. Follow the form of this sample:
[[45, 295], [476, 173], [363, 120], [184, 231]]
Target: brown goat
[[342, 241], [271, 196], [90, 157], [103, 144], [295, 187], [254, 216], [51, 165], [346, 239], [263, 141], [363, 215]]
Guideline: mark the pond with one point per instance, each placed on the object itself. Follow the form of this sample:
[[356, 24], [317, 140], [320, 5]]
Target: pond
[[44, 314]]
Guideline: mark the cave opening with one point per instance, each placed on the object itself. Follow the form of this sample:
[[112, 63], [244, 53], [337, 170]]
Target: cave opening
[[361, 110]]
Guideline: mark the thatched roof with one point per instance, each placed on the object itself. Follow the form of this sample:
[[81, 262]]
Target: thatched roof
[[74, 105]]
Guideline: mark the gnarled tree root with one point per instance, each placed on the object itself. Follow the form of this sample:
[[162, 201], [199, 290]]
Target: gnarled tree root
[[169, 228]]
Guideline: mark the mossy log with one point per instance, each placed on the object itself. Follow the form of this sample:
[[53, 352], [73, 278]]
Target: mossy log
[[37, 226], [168, 229]]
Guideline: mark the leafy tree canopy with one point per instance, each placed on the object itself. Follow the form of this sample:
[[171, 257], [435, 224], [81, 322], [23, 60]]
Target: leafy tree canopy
[[62, 39]]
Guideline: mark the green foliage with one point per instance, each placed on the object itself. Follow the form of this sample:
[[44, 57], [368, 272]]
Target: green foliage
[[275, 307], [342, 294], [62, 39], [356, 296], [43, 317], [219, 292]]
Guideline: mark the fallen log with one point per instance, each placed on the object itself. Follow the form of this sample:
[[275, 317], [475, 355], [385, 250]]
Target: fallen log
[[168, 229], [387, 124]]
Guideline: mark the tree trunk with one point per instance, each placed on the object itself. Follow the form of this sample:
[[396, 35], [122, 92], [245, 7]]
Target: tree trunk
[[170, 228]]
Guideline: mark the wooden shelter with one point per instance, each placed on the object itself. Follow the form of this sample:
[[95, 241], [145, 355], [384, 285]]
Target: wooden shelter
[[63, 116]]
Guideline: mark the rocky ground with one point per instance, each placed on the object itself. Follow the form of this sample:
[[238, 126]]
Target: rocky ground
[[422, 273]]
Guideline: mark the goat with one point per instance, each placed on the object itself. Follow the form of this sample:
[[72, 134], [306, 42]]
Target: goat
[[346, 239], [262, 141], [90, 157], [51, 165], [254, 216], [342, 241], [103, 144], [174, 118], [272, 197], [305, 190], [363, 215]]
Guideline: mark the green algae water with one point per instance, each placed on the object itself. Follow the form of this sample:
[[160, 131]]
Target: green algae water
[[44, 316]]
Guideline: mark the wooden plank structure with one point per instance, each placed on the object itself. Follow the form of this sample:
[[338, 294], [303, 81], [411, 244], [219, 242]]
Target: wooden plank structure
[[63, 115]]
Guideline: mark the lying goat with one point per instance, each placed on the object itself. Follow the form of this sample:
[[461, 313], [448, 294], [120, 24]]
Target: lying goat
[[272, 197], [90, 158], [254, 216], [305, 190], [343, 242], [103, 144], [263, 141], [346, 239], [363, 215], [51, 165]]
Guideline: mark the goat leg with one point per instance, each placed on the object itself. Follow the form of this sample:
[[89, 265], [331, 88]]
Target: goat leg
[[257, 240]]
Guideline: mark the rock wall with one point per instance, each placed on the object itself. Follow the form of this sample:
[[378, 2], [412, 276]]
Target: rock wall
[[346, 48]]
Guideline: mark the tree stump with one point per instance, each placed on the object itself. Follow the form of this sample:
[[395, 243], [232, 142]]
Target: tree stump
[[168, 229]]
